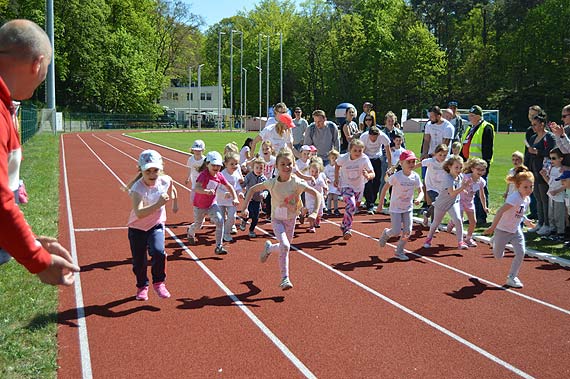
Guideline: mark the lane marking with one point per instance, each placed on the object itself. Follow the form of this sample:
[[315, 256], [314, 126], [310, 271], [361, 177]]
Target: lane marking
[[469, 275], [101, 229], [264, 329], [85, 355], [272, 337]]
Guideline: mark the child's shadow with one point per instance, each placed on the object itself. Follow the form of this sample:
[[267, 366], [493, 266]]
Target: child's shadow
[[105, 310], [224, 301], [471, 292], [351, 266], [325, 244]]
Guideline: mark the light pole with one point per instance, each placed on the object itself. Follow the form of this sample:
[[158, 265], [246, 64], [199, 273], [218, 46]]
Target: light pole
[[232, 71], [200, 96], [50, 82], [259, 69], [220, 79], [244, 113], [281, 66], [189, 97], [267, 73], [241, 78]]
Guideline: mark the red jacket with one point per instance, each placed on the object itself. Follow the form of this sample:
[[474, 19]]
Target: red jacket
[[16, 237]]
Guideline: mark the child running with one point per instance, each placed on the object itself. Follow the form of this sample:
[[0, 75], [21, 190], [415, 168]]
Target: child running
[[149, 194], [207, 183], [434, 176], [448, 200], [473, 171], [506, 225], [285, 192], [517, 158], [352, 170], [319, 183], [255, 176], [223, 196], [333, 191], [405, 182], [195, 161]]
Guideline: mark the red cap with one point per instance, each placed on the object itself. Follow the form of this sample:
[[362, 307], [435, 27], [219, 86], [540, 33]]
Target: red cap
[[286, 119], [408, 155]]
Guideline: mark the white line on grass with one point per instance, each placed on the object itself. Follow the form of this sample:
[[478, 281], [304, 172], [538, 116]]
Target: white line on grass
[[272, 337], [82, 332]]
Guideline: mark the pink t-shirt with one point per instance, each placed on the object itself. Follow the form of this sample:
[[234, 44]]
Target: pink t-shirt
[[208, 182], [149, 196]]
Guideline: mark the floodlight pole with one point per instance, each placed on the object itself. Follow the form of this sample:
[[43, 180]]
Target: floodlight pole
[[219, 79], [259, 69], [281, 66], [244, 113], [200, 96], [267, 73], [50, 83], [189, 97]]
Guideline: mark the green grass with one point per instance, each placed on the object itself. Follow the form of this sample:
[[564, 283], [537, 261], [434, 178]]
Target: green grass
[[504, 146], [28, 342]]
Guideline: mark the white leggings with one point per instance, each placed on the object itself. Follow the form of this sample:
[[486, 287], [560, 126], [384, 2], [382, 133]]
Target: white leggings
[[401, 225], [283, 230], [501, 239], [455, 215]]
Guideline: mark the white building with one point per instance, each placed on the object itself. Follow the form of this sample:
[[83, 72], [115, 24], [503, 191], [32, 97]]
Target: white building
[[185, 101]]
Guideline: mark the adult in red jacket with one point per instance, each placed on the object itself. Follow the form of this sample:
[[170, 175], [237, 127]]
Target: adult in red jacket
[[25, 53]]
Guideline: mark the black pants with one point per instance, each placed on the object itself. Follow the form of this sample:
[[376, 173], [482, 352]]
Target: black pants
[[372, 187]]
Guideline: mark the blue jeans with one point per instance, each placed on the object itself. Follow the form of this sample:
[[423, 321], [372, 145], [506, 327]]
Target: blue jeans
[[151, 241]]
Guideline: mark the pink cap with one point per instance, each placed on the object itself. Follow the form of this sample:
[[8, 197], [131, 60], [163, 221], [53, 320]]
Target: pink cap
[[408, 155], [287, 120], [313, 149]]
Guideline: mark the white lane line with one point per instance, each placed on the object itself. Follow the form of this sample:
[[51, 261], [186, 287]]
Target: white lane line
[[183, 164], [272, 337], [86, 370], [469, 275], [264, 329], [101, 229]]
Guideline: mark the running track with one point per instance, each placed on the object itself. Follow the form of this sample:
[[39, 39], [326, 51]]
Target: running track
[[354, 311]]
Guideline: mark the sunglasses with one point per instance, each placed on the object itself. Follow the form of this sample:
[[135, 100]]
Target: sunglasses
[[555, 157], [565, 115], [368, 119]]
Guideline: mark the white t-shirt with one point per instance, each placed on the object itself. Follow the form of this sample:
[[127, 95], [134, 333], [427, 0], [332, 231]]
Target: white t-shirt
[[243, 154], [329, 173], [512, 187], [396, 154], [403, 188], [149, 196], [434, 174], [512, 218], [352, 171], [269, 133], [194, 165], [374, 149], [223, 196], [438, 133], [554, 184], [319, 184], [269, 166], [303, 167]]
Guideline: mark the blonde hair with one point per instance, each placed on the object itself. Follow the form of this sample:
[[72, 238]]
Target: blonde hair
[[472, 162], [355, 142], [441, 147], [317, 162], [231, 155], [268, 144], [518, 154], [284, 153], [231, 147], [451, 161], [333, 153], [258, 160], [456, 145]]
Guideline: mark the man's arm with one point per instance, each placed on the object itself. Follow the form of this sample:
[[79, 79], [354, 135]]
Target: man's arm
[[487, 142]]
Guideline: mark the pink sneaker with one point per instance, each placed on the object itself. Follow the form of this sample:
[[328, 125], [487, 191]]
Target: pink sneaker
[[142, 293], [161, 290], [471, 242], [462, 245]]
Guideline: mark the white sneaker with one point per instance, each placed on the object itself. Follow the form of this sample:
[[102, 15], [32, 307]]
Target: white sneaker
[[513, 281], [536, 228], [234, 229], [383, 238], [286, 284], [265, 253], [242, 225], [228, 238], [399, 254], [544, 230]]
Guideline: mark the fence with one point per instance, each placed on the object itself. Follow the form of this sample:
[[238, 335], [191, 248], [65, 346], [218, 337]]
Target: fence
[[28, 121], [89, 121]]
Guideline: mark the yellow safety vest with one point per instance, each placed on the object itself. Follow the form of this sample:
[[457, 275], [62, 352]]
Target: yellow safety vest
[[476, 147]]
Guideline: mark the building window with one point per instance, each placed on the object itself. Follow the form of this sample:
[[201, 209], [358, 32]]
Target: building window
[[208, 96], [175, 96], [202, 96], [169, 96]]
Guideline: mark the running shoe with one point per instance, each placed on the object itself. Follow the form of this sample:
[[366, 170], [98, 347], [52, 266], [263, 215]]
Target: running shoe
[[399, 254], [311, 230], [234, 230], [513, 281], [286, 284], [251, 235], [470, 242], [243, 225], [220, 250], [142, 293], [161, 291], [265, 253], [347, 235], [228, 238], [383, 238], [462, 245], [427, 243]]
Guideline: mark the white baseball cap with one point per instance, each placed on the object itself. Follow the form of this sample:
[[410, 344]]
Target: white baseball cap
[[198, 145], [214, 158], [150, 159]]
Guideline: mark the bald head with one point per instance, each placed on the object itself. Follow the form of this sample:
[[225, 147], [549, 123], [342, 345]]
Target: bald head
[[24, 39]]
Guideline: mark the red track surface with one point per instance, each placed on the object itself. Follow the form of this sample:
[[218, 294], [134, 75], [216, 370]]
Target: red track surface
[[379, 318]]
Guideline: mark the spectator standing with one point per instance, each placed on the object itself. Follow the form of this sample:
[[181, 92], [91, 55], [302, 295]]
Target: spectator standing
[[366, 111], [478, 142], [533, 110], [279, 133], [349, 129], [25, 54], [298, 131], [391, 130], [562, 132], [437, 131], [278, 109], [322, 134], [376, 143], [456, 121]]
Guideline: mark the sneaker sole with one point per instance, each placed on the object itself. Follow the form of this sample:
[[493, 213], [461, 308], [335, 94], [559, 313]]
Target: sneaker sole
[[347, 236], [287, 287]]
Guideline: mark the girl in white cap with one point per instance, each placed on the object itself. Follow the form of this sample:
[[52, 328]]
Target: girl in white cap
[[149, 194], [405, 183], [195, 161], [204, 200]]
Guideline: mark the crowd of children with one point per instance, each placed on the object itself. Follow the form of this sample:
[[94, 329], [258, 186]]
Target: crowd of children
[[288, 189]]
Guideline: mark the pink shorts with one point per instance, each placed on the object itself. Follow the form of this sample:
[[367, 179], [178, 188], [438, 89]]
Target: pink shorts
[[466, 204]]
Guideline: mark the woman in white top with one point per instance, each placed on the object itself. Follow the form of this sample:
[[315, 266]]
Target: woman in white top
[[278, 134]]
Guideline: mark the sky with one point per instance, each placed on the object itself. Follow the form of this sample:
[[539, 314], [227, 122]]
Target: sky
[[215, 10]]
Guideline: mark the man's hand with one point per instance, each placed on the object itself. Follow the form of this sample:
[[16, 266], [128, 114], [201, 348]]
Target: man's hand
[[61, 269]]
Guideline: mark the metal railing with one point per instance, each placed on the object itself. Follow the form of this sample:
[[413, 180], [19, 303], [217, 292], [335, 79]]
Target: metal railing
[[28, 121], [90, 121]]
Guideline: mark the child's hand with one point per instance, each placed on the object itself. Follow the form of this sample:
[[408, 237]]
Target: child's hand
[[245, 213], [227, 195], [489, 231], [264, 195], [417, 202], [485, 209], [241, 195], [210, 192], [542, 171], [529, 224], [163, 199], [186, 181], [335, 182], [235, 202]]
